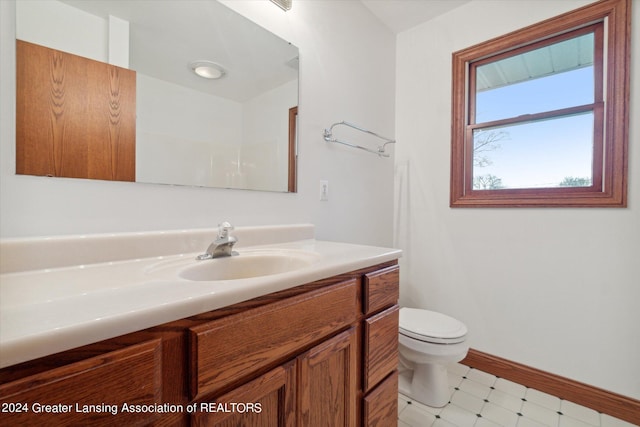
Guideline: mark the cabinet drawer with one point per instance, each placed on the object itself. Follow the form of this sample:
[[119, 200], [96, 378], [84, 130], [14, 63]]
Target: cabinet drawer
[[381, 289], [232, 348], [90, 392], [381, 405], [380, 346]]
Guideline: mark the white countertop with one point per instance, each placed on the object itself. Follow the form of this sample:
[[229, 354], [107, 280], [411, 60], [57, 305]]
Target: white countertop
[[49, 310]]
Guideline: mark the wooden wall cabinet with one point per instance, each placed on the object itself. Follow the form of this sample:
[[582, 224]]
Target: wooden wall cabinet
[[324, 353]]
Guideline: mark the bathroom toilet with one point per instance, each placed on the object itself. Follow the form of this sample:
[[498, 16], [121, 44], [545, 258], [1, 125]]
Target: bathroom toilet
[[428, 343]]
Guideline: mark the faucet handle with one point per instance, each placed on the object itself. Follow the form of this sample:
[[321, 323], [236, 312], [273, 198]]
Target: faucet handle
[[223, 230]]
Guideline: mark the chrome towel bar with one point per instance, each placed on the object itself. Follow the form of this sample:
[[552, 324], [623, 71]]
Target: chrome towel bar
[[328, 136]]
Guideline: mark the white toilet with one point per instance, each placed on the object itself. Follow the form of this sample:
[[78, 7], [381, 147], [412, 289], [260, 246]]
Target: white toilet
[[428, 342]]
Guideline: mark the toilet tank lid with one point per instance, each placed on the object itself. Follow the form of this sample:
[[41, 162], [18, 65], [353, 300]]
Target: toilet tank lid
[[428, 325]]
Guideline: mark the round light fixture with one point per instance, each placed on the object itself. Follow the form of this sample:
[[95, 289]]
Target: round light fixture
[[207, 69]]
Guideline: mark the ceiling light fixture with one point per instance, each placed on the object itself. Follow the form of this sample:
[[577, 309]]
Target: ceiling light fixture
[[207, 69]]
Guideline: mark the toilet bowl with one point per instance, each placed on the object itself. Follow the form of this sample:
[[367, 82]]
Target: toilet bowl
[[428, 343]]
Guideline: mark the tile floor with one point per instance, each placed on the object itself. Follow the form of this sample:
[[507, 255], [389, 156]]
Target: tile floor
[[482, 400]]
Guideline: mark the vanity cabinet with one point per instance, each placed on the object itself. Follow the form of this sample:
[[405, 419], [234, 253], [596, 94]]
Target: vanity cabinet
[[323, 353]]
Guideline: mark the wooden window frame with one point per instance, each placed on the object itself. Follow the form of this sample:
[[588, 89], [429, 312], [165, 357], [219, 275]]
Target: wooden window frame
[[609, 188]]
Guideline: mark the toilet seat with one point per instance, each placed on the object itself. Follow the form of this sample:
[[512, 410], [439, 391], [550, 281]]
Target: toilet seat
[[430, 326]]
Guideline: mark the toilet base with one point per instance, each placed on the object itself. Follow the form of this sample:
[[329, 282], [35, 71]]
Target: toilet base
[[436, 392]]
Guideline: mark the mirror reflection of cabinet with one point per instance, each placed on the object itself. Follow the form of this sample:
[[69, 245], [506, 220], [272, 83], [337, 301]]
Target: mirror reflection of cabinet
[[76, 117]]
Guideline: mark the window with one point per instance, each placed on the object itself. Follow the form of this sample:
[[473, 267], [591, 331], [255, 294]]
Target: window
[[540, 116]]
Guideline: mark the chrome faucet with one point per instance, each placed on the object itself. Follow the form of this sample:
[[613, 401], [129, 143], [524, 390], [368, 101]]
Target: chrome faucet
[[223, 245]]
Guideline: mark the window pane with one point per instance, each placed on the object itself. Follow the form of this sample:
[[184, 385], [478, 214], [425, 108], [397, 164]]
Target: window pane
[[543, 154], [546, 79]]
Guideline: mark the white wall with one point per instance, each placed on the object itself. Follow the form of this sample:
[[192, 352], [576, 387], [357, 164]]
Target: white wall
[[347, 72], [556, 289]]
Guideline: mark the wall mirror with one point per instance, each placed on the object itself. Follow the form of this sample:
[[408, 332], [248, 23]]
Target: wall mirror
[[236, 131]]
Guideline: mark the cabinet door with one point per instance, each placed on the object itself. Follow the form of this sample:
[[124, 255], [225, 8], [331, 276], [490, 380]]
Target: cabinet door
[[327, 383], [267, 401], [105, 390]]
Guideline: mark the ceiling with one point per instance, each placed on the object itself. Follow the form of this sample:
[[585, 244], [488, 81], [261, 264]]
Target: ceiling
[[400, 15]]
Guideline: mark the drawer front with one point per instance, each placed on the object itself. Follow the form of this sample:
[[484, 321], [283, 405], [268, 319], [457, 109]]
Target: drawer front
[[380, 346], [232, 348], [381, 289], [91, 392], [381, 405]]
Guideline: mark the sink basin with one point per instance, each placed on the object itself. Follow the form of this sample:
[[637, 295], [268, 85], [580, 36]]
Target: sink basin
[[247, 265]]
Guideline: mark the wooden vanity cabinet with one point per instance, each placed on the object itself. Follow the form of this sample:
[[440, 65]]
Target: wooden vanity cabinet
[[324, 353]]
